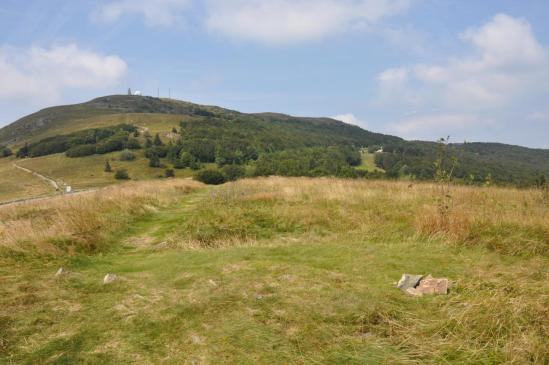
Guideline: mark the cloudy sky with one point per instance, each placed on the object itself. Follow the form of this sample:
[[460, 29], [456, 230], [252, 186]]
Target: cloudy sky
[[420, 69]]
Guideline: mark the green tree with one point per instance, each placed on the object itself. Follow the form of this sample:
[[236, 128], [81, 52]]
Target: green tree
[[5, 152], [157, 141], [23, 151], [148, 142], [154, 161], [169, 173], [108, 167]]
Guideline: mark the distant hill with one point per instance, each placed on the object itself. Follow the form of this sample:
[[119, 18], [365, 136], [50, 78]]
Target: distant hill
[[40, 123], [281, 143]]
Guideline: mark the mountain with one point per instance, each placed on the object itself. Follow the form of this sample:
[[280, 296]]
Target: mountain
[[273, 143], [65, 118]]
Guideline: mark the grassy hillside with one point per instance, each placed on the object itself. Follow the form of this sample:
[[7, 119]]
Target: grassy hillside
[[110, 110], [17, 184], [275, 271], [265, 144]]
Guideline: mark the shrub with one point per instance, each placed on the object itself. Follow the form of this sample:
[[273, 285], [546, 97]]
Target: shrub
[[81, 151], [114, 143], [121, 174], [6, 152], [23, 151], [127, 155], [211, 177], [158, 151], [108, 167], [178, 164], [133, 144], [233, 172], [154, 161], [169, 173]]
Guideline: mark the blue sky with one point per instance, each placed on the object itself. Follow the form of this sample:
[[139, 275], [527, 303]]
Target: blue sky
[[420, 69]]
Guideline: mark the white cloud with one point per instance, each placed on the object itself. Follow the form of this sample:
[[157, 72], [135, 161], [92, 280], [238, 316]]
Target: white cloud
[[503, 70], [37, 72], [294, 21], [349, 118], [437, 123], [164, 13], [505, 62]]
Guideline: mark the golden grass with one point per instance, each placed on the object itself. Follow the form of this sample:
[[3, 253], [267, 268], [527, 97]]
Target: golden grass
[[508, 220], [17, 184], [80, 222]]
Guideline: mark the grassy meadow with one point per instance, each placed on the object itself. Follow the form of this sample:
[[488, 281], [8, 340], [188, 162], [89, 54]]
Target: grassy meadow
[[275, 271], [88, 172], [17, 184]]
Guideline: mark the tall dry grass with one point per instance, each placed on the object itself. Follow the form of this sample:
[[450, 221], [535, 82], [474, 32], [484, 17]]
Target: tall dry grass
[[509, 220], [82, 222]]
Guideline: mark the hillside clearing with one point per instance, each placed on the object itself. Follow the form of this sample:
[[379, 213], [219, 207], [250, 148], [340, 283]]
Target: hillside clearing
[[275, 271]]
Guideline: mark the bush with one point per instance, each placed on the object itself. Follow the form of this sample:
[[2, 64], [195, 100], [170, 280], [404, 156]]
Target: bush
[[133, 144], [127, 155], [121, 174], [178, 164], [114, 143], [211, 177], [6, 152], [81, 151], [108, 167], [233, 172], [169, 173], [23, 151], [154, 161], [159, 151]]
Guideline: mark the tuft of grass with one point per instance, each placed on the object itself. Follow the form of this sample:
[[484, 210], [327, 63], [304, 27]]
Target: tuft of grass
[[83, 222]]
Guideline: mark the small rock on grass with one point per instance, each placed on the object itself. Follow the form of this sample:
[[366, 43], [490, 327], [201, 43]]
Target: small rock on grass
[[61, 272], [419, 285], [110, 278], [408, 281], [430, 285]]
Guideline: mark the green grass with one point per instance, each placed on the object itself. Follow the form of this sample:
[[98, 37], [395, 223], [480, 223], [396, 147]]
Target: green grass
[[306, 303], [86, 172], [307, 292], [368, 163]]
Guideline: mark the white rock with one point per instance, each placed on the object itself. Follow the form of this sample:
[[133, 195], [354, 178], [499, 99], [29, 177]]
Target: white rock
[[110, 278], [61, 272]]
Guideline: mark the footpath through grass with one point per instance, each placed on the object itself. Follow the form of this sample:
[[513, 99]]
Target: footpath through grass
[[215, 277]]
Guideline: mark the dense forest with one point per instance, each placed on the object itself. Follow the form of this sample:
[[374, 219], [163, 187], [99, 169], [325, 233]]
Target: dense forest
[[84, 143], [476, 162]]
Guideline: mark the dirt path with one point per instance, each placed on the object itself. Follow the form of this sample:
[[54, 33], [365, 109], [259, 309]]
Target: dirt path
[[49, 180]]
